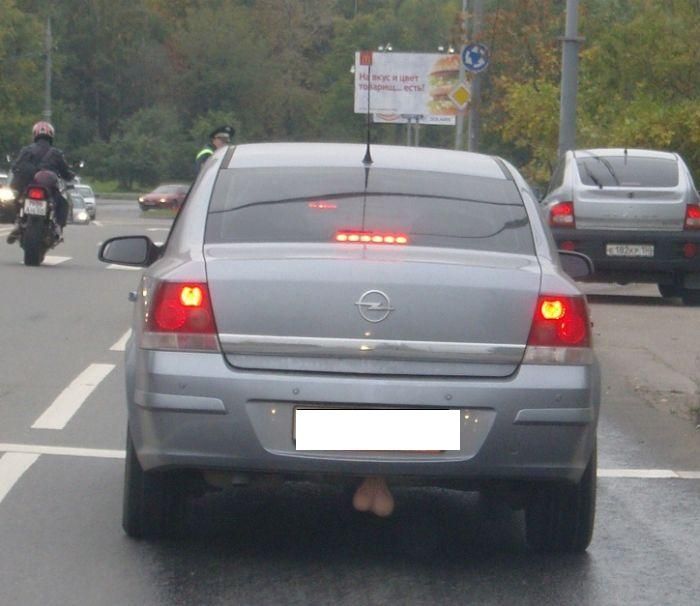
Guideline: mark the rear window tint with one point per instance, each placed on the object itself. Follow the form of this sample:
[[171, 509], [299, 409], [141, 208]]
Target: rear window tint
[[313, 204], [618, 171]]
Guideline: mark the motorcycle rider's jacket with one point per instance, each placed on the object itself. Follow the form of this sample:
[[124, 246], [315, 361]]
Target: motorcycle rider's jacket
[[43, 156]]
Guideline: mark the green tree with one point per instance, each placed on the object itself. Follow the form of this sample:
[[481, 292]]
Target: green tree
[[20, 77]]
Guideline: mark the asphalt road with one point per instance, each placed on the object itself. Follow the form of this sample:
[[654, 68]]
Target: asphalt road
[[62, 431]]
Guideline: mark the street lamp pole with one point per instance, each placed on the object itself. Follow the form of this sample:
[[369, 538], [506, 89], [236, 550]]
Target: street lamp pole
[[459, 128], [474, 126], [569, 79], [48, 69]]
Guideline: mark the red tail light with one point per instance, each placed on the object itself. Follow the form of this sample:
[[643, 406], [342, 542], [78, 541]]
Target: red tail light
[[180, 318], [560, 322], [692, 216], [562, 215], [36, 193], [369, 237]]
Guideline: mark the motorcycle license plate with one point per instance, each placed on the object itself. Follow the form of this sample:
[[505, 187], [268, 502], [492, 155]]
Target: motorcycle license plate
[[35, 207]]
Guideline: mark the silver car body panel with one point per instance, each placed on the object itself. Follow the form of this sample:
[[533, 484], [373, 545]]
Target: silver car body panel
[[627, 206], [462, 338]]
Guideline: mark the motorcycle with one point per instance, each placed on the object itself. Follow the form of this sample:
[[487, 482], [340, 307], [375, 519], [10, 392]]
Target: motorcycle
[[39, 230]]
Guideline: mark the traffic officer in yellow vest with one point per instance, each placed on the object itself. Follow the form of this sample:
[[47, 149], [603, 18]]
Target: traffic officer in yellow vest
[[218, 138]]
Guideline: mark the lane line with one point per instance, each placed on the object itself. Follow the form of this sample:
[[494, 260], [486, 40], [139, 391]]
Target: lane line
[[103, 453], [98, 223], [54, 260], [638, 473], [124, 267], [121, 344], [72, 397], [12, 466], [39, 449]]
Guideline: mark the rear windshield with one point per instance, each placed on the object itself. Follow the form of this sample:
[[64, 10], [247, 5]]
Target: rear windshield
[[314, 204], [618, 171], [84, 190]]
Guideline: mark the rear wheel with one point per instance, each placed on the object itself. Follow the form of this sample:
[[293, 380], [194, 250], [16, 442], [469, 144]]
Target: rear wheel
[[154, 502], [33, 245], [690, 296], [559, 517], [669, 291]]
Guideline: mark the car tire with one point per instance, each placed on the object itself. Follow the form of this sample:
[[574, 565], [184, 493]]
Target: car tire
[[669, 291], [690, 296], [559, 517], [143, 208], [154, 502]]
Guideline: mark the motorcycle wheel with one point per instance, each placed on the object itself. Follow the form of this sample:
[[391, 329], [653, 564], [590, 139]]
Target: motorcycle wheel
[[32, 242]]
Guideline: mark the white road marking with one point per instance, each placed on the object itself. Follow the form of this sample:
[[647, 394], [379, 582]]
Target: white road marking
[[12, 466], [103, 453], [98, 223], [121, 344], [637, 473], [53, 260], [158, 229], [125, 267], [72, 397], [37, 449]]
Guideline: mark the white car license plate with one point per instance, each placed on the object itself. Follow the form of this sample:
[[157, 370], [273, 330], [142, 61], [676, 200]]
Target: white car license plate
[[629, 250], [34, 207], [376, 429]]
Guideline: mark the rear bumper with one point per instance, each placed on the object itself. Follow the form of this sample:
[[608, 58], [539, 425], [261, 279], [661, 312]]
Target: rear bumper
[[194, 411], [668, 264]]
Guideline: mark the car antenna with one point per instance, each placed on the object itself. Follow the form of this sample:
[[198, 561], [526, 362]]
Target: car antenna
[[625, 156], [366, 59]]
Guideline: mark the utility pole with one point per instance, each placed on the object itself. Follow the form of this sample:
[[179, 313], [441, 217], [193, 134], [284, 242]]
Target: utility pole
[[459, 128], [47, 91], [474, 127], [569, 79]]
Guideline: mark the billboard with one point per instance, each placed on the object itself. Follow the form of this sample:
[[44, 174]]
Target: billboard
[[408, 84]]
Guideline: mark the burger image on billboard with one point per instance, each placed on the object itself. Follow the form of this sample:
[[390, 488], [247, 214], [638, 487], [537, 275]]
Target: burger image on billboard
[[443, 77]]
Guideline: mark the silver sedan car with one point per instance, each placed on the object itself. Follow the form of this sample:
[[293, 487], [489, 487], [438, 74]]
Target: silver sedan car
[[321, 314]]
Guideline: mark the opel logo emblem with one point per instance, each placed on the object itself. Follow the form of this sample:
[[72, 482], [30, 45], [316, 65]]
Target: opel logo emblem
[[374, 306]]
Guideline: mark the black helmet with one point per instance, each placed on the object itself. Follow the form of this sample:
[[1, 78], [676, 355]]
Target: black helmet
[[224, 132]]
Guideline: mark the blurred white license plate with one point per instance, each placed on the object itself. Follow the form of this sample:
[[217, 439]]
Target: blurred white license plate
[[388, 430], [34, 207], [629, 250]]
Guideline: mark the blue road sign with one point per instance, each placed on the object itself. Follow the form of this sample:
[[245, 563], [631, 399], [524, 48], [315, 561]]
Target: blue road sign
[[475, 57]]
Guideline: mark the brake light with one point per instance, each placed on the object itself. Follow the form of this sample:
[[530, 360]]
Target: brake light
[[368, 237], [180, 318], [322, 205], [692, 216], [560, 332], [562, 215], [36, 193], [690, 249]]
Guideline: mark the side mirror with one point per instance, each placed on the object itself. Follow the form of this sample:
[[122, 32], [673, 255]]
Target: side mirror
[[576, 264], [135, 251]]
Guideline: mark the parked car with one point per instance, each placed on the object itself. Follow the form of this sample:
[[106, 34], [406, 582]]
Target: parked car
[[635, 213], [313, 316], [7, 200], [171, 195], [89, 196], [78, 208]]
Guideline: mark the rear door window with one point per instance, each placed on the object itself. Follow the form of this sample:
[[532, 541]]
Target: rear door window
[[620, 171], [314, 205]]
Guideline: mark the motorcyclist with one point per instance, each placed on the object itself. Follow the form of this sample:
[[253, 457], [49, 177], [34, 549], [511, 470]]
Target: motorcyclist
[[217, 138], [45, 157]]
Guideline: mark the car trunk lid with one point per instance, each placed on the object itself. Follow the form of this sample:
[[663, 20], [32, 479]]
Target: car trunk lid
[[372, 309]]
